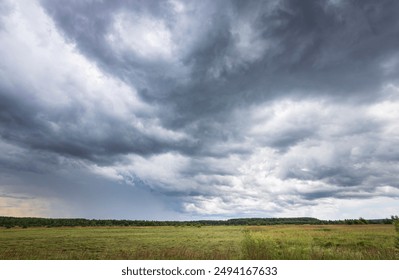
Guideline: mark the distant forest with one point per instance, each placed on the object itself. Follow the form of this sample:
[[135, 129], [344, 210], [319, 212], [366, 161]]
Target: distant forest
[[9, 222]]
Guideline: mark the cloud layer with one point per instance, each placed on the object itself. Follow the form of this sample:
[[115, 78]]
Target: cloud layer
[[176, 110]]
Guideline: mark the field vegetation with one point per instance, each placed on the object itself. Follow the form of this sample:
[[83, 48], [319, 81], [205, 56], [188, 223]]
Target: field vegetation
[[320, 242], [361, 241], [10, 222]]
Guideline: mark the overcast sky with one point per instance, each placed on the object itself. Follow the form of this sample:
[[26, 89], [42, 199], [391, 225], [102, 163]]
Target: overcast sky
[[199, 109]]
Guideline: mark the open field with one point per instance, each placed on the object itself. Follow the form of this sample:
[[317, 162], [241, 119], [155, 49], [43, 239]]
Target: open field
[[207, 242]]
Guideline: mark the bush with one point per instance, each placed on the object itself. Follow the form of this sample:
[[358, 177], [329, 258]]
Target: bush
[[396, 223]]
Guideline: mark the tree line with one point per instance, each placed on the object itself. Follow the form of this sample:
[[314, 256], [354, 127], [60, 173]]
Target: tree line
[[9, 222]]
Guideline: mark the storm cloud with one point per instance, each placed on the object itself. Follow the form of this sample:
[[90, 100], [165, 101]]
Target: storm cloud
[[199, 109]]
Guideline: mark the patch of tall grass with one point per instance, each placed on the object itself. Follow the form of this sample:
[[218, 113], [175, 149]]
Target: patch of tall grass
[[396, 224], [316, 243]]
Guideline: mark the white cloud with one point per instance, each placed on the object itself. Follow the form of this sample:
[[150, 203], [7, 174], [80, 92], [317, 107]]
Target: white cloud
[[178, 6], [304, 176], [43, 53], [303, 180], [76, 83], [145, 36]]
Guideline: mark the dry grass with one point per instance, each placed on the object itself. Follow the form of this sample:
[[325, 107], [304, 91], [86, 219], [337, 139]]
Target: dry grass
[[121, 243], [321, 242], [217, 242]]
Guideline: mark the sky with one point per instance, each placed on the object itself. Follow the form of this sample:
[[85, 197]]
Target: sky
[[182, 110]]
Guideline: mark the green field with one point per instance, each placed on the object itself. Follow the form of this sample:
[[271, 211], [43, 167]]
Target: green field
[[207, 242]]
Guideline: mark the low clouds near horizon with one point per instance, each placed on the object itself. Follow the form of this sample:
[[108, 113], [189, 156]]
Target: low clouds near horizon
[[199, 109]]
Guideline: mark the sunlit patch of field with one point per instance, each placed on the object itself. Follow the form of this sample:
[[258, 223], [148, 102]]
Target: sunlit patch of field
[[207, 242], [320, 242]]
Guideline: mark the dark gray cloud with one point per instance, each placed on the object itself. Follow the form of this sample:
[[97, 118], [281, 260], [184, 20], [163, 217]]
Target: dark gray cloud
[[75, 130], [321, 47], [224, 108], [325, 48]]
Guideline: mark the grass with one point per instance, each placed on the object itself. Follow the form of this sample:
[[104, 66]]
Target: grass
[[396, 224], [208, 242], [375, 242], [120, 243]]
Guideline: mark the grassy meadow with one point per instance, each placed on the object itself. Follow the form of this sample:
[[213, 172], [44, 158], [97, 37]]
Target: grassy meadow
[[206, 242]]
